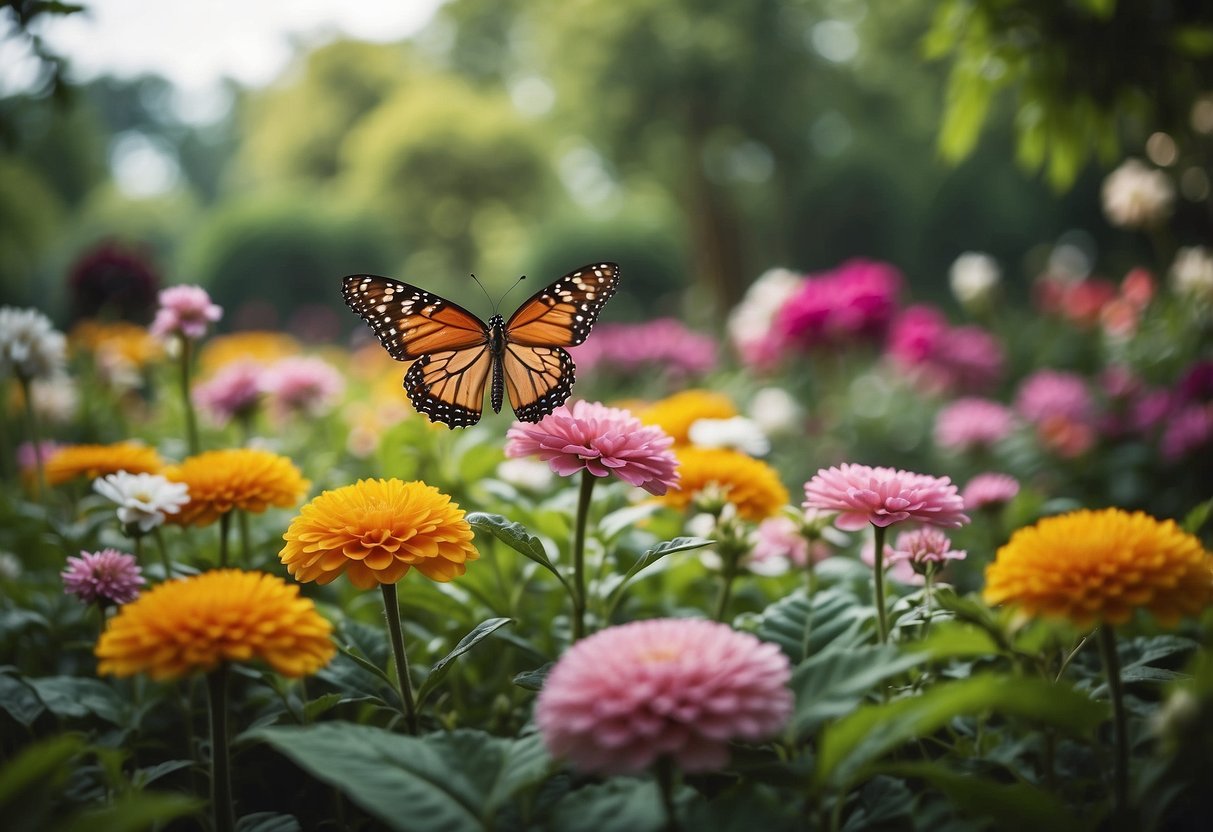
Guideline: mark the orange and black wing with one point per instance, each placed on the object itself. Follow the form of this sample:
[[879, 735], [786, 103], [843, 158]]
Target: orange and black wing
[[563, 314], [537, 379], [448, 386], [411, 322]]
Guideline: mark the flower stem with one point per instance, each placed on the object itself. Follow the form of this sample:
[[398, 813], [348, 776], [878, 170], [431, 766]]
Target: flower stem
[[728, 574], [882, 620], [579, 582], [1111, 663], [391, 607], [242, 520], [31, 418], [225, 521], [221, 771], [168, 567], [191, 420], [666, 773]]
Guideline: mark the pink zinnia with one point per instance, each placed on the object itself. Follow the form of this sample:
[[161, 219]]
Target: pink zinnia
[[1048, 394], [105, 577], [989, 490], [883, 496], [778, 544], [662, 344], [971, 358], [854, 302], [972, 424], [599, 439], [1189, 430], [682, 689], [915, 337], [943, 357], [186, 311], [922, 549], [303, 385], [234, 391]]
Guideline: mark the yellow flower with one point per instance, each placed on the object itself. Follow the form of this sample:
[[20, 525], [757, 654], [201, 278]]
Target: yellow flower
[[1091, 566], [255, 346], [127, 342], [750, 484], [92, 461], [678, 412], [193, 624], [239, 478], [375, 531]]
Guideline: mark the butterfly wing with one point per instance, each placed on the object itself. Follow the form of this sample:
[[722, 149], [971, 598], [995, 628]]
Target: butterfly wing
[[448, 386], [563, 314], [537, 379], [411, 322]]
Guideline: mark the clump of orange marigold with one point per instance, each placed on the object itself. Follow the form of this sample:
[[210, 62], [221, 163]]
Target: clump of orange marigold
[[228, 615], [748, 483], [248, 479], [128, 342], [1101, 566], [374, 531], [70, 462], [256, 346], [675, 414]]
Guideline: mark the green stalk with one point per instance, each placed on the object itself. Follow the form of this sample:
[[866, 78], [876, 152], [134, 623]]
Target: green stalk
[[579, 582], [225, 521], [242, 520], [1111, 664], [391, 607], [191, 420], [221, 770], [667, 780], [728, 574], [882, 620], [31, 417], [168, 567], [810, 584]]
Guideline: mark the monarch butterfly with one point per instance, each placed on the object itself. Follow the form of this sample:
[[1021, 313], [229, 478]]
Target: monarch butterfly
[[452, 351]]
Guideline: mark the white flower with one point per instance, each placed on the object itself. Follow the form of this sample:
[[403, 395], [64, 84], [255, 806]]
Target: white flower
[[528, 474], [55, 398], [143, 499], [1137, 196], [10, 566], [738, 433], [775, 411], [974, 278], [30, 347], [750, 320], [1192, 274]]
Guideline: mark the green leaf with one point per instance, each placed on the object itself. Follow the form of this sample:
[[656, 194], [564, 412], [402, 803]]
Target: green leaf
[[862, 737], [450, 782], [76, 698], [19, 700], [1195, 519], [268, 822], [1014, 806], [514, 535], [654, 554], [955, 639], [144, 777], [321, 705], [831, 683], [833, 615], [533, 679], [610, 526], [619, 805], [36, 765], [134, 812], [443, 666]]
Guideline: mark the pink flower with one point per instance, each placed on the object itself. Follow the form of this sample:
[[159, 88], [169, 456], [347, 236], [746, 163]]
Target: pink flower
[[779, 544], [901, 571], [971, 358], [105, 577], [234, 391], [26, 453], [663, 344], [1047, 394], [971, 424], [625, 697], [915, 337], [602, 440], [1189, 430], [923, 549], [854, 302], [942, 357], [883, 496], [303, 385], [989, 490], [185, 311]]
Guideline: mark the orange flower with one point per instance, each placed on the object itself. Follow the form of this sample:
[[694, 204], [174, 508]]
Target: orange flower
[[120, 340], [258, 347], [182, 626], [241, 478], [748, 483], [675, 414], [375, 531], [92, 461]]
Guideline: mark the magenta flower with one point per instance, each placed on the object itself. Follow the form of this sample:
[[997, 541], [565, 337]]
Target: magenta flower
[[681, 689], [186, 311], [1047, 395], [1188, 431], [599, 439], [303, 385], [973, 424], [971, 358], [883, 496], [105, 577], [854, 302], [941, 357], [916, 335], [923, 549], [234, 391], [663, 344], [989, 490]]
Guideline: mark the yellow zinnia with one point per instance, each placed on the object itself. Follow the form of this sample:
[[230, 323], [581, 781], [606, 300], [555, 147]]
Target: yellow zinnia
[[1091, 566], [256, 346], [92, 461], [675, 414], [182, 626], [248, 479], [375, 531], [132, 344], [748, 483]]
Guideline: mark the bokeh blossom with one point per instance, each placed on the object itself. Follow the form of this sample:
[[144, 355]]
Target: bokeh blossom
[[113, 279], [751, 322], [105, 577], [1137, 196], [303, 385], [737, 433], [245, 479], [675, 414], [883, 496], [30, 346], [192, 625], [989, 490], [1101, 566], [375, 531], [940, 357], [971, 424], [662, 345], [186, 311], [602, 440], [70, 462], [854, 302], [1061, 408], [1192, 274], [1188, 431], [233, 392], [974, 279], [620, 700], [259, 346], [143, 500], [780, 544]]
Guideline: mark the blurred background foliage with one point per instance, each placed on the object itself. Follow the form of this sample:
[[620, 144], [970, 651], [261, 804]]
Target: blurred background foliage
[[699, 142]]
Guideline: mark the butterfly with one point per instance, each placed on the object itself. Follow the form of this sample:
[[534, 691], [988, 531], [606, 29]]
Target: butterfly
[[454, 353]]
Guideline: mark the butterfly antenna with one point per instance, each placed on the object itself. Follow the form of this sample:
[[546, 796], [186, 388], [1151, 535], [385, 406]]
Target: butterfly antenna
[[516, 282], [496, 303]]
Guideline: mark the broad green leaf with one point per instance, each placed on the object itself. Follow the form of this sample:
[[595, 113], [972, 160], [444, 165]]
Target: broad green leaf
[[268, 822], [37, 764], [871, 731], [443, 666], [835, 615], [1195, 519], [450, 782], [144, 777], [74, 697], [533, 679], [134, 812], [514, 535], [618, 805], [955, 639], [832, 682], [19, 700], [1013, 806], [625, 518]]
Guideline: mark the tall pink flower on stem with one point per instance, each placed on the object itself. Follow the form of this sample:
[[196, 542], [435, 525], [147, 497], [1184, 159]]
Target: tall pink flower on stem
[[598, 441], [926, 551], [883, 496], [233, 392], [185, 313]]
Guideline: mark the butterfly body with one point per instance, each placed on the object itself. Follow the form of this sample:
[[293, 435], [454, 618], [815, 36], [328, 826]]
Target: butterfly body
[[453, 353]]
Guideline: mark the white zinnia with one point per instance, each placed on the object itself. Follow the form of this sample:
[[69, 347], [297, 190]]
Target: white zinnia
[[30, 346], [974, 278], [1192, 274], [751, 319], [1137, 196], [737, 433], [55, 398], [142, 499], [775, 411]]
